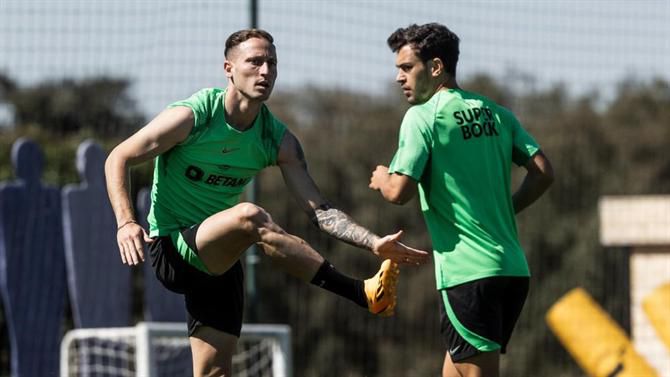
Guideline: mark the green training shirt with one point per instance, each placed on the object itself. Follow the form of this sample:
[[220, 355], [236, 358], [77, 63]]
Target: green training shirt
[[459, 147], [207, 172]]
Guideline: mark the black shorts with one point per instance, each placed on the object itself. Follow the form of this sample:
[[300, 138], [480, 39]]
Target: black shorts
[[215, 301], [482, 315]]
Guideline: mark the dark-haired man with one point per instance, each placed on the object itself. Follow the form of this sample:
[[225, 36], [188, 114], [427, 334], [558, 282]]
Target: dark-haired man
[[456, 148], [207, 148]]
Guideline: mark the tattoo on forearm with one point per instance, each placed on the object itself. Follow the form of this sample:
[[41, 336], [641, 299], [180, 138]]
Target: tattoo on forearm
[[339, 225]]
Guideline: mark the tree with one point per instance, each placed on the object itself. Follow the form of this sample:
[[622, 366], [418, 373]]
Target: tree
[[102, 105]]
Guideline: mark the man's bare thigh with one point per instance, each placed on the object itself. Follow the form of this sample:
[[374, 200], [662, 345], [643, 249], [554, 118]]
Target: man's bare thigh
[[224, 236]]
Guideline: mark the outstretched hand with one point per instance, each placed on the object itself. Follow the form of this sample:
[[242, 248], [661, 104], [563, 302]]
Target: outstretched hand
[[390, 247], [131, 238]]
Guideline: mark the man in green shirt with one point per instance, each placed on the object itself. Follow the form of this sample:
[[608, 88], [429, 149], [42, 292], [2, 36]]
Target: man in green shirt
[[456, 149], [206, 149]]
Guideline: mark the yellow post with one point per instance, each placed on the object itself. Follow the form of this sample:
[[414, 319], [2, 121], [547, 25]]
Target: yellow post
[[657, 308], [594, 339]]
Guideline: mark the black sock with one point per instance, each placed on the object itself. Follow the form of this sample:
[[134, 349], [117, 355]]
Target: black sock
[[330, 279]]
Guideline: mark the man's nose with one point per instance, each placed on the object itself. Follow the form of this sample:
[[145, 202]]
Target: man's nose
[[265, 69]]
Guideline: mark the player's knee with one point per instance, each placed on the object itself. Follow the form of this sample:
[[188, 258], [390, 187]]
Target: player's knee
[[252, 217]]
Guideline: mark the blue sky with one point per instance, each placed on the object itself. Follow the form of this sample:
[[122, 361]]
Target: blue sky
[[172, 48]]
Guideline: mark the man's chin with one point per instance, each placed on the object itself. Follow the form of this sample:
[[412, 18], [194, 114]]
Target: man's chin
[[261, 96], [412, 100]]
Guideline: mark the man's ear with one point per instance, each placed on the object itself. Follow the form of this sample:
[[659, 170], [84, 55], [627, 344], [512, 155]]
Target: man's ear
[[228, 68], [437, 67]]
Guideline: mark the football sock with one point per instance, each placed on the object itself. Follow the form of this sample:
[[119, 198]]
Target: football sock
[[327, 277]]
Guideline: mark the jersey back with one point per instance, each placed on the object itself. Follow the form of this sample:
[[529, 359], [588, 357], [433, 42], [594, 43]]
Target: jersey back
[[459, 147]]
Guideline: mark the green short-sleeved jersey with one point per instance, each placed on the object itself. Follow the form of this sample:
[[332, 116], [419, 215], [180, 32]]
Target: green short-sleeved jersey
[[207, 172], [459, 147]]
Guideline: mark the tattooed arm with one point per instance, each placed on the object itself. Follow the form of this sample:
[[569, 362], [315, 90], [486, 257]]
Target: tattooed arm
[[291, 161], [339, 225], [293, 166]]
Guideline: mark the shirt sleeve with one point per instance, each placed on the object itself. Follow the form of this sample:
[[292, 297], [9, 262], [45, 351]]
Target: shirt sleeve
[[201, 103], [523, 144], [414, 143], [272, 136]]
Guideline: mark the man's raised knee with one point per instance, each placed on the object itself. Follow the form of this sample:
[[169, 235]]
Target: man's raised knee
[[251, 216]]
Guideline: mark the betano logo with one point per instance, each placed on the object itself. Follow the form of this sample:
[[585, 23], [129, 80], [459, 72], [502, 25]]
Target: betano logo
[[196, 174]]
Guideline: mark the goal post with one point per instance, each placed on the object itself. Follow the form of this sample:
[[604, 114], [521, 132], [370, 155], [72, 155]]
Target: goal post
[[156, 349]]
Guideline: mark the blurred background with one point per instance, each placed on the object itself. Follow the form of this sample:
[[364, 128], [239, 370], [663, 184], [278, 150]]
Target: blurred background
[[589, 79]]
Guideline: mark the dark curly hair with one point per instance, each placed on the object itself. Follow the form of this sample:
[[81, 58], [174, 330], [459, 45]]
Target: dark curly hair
[[240, 36], [430, 41]]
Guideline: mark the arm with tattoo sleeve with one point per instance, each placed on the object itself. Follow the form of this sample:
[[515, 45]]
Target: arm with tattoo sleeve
[[341, 226], [291, 161]]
